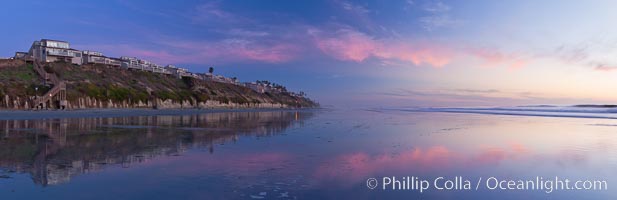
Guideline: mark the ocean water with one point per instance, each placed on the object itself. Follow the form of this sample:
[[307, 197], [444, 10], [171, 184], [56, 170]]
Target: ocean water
[[460, 153]]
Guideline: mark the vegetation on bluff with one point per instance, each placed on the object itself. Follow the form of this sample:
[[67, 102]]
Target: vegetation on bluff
[[104, 83], [19, 79]]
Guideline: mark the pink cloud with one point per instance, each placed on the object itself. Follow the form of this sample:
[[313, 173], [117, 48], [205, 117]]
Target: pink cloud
[[489, 56], [350, 45], [517, 64], [492, 57], [605, 68], [417, 54]]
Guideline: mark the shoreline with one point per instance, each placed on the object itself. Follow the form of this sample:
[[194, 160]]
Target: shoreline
[[133, 112]]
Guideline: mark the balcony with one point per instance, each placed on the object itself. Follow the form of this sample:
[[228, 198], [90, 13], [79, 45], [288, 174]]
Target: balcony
[[55, 52]]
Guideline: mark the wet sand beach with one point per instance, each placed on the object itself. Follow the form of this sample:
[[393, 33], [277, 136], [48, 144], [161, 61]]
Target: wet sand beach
[[88, 113]]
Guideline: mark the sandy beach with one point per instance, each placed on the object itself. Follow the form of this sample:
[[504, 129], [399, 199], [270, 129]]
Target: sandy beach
[[88, 113]]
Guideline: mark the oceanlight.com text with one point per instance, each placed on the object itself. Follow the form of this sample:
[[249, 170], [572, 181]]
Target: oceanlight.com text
[[547, 185]]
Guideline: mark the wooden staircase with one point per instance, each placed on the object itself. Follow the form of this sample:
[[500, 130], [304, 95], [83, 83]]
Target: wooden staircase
[[56, 97]]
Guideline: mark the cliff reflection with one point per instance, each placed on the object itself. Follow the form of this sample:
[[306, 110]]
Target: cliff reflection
[[52, 151]]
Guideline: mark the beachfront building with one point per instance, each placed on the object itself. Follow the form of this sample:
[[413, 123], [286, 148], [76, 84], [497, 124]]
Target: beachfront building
[[217, 78], [139, 64], [266, 86], [47, 50], [145, 65], [130, 63], [206, 76], [177, 71], [159, 69], [93, 57], [257, 87], [222, 79]]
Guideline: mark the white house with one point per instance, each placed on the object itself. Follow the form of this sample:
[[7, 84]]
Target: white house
[[93, 57], [54, 50], [177, 72], [130, 63], [256, 87]]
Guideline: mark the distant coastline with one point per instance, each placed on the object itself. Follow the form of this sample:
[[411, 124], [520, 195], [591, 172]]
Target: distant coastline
[[596, 106], [572, 111]]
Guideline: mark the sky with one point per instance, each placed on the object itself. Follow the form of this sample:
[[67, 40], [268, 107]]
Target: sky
[[354, 53]]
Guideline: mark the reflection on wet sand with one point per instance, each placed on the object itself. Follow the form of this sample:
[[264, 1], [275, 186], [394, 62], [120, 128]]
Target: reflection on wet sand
[[52, 151]]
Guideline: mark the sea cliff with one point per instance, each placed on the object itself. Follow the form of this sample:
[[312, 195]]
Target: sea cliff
[[100, 86]]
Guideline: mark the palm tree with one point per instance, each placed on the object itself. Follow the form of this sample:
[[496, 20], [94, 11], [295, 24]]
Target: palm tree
[[211, 70]]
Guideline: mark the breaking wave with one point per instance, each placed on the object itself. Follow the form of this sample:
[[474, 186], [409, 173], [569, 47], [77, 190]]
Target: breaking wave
[[587, 111]]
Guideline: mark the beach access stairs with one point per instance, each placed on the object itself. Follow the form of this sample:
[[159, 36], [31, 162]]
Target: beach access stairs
[[56, 96]]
